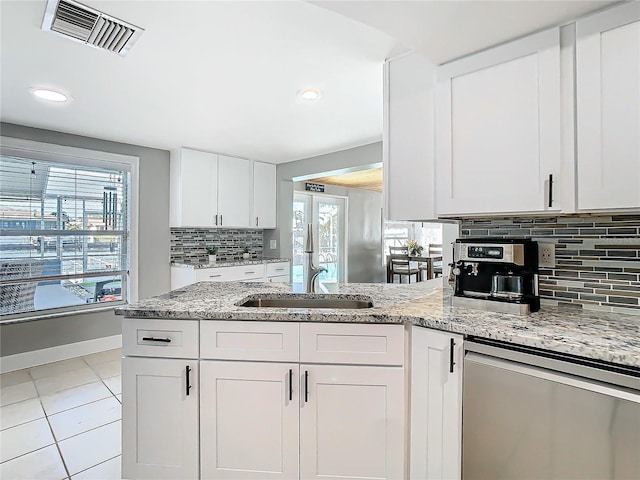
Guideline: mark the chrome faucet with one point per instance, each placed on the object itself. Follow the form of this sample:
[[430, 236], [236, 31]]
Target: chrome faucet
[[311, 273]]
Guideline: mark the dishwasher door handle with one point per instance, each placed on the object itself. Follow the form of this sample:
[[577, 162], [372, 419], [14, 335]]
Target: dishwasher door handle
[[561, 378]]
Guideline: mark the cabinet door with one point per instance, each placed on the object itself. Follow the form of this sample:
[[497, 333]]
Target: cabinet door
[[608, 108], [234, 191], [436, 404], [249, 423], [159, 418], [351, 422], [194, 188], [498, 129], [264, 195], [408, 143]]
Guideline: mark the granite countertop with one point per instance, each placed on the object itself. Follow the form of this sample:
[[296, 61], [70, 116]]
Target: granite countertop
[[230, 263], [604, 336]]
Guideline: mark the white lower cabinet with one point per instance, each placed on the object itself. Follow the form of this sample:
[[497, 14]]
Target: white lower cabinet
[[351, 422], [159, 418], [288, 400], [249, 420], [303, 407], [183, 275], [436, 404]]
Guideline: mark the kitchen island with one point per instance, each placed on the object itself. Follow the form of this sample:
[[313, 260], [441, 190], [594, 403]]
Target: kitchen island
[[214, 389]]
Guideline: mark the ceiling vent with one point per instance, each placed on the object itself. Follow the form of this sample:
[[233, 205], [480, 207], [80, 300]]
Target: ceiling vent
[[91, 27]]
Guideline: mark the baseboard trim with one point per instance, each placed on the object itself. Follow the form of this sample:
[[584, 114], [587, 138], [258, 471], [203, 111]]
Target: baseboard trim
[[60, 352]]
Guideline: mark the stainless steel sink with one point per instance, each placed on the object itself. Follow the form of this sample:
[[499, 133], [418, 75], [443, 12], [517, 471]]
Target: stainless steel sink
[[308, 302]]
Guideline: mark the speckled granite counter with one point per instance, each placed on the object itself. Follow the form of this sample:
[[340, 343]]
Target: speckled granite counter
[[231, 263], [604, 336]]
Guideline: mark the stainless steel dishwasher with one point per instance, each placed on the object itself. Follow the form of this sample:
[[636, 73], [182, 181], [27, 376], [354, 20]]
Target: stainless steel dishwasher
[[534, 414]]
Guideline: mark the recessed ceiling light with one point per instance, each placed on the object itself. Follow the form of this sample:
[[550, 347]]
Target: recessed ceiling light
[[309, 94], [50, 95]]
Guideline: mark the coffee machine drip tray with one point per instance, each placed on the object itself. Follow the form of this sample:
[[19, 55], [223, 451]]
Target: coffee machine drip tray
[[491, 305]]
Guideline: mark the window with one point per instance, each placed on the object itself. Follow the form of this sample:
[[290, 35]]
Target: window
[[65, 229], [397, 234]]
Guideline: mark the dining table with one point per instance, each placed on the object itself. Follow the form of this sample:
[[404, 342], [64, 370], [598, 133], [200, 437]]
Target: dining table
[[425, 263]]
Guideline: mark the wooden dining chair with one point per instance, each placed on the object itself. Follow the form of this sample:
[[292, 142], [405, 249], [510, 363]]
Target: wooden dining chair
[[399, 264], [399, 250], [434, 250]]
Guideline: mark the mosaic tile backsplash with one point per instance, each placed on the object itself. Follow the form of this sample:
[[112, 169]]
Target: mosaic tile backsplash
[[189, 245], [597, 257]]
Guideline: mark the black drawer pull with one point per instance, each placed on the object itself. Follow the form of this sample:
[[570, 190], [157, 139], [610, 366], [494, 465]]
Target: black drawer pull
[[188, 381], [154, 339], [451, 362], [290, 384]]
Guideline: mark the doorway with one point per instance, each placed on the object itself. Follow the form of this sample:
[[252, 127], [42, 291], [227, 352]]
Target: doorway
[[328, 214]]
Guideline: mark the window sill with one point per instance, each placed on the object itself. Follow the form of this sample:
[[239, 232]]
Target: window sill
[[26, 317]]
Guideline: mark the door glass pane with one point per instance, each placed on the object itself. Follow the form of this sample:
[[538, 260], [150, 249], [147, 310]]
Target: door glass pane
[[300, 219], [329, 241], [327, 214]]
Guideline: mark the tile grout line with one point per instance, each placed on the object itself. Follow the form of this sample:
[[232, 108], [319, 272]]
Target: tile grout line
[[55, 439], [93, 466]]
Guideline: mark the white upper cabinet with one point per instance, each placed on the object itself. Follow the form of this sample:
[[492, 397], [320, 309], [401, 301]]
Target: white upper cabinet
[[194, 188], [264, 195], [608, 109], [498, 132], [235, 185], [211, 190], [408, 144]]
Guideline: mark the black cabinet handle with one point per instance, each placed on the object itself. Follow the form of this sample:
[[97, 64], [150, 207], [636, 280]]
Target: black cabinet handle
[[306, 386], [550, 190], [290, 384], [451, 362], [154, 339], [256, 221], [188, 380]]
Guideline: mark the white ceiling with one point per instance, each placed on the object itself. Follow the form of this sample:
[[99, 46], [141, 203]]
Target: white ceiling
[[223, 75], [446, 30]]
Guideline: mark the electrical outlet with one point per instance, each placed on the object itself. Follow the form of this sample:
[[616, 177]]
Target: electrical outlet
[[547, 255], [273, 244]]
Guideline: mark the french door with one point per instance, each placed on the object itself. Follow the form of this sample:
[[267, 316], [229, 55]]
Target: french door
[[327, 214]]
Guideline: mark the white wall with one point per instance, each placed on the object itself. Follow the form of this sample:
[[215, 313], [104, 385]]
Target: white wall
[[356, 158]]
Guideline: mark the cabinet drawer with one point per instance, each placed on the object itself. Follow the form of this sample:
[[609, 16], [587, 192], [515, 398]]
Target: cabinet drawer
[[248, 272], [231, 274], [212, 275], [354, 344], [277, 269], [266, 341], [160, 338]]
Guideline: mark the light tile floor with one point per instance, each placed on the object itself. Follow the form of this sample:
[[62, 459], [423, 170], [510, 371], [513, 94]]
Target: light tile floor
[[62, 420]]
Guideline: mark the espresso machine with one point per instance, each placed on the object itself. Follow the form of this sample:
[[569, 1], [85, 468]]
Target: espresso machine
[[497, 274]]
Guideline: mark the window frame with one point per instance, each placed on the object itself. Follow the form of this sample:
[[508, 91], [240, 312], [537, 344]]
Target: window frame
[[82, 157]]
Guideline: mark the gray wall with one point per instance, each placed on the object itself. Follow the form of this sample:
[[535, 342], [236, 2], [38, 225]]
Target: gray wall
[[354, 158], [364, 239], [153, 255]]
